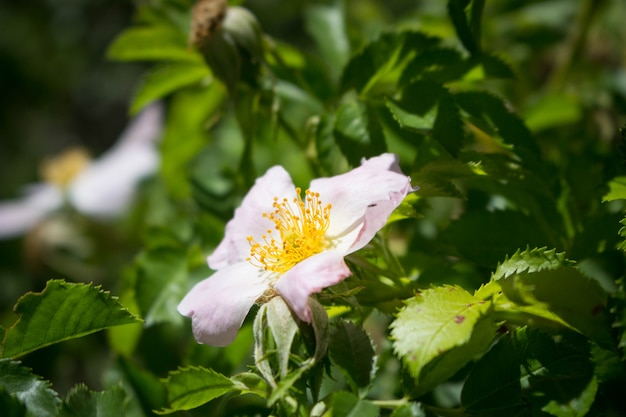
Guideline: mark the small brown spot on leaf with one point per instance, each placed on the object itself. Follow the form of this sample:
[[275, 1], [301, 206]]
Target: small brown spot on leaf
[[459, 319]]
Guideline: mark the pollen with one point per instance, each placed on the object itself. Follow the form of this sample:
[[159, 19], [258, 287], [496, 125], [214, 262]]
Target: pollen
[[299, 232]]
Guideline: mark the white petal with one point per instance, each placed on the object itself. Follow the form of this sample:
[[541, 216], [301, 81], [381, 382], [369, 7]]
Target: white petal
[[376, 181], [218, 305], [20, 215], [106, 187], [311, 276], [248, 219]]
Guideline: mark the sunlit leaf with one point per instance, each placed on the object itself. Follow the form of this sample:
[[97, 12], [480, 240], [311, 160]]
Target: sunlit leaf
[[617, 190], [37, 395], [530, 260], [60, 312], [191, 387], [439, 321], [81, 402]]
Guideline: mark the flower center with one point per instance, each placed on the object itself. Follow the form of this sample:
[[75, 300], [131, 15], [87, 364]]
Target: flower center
[[62, 169], [302, 228]]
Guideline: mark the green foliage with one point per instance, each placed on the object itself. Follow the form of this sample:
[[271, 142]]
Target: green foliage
[[60, 312], [36, 395], [351, 349], [81, 402], [496, 288], [192, 387], [442, 327]]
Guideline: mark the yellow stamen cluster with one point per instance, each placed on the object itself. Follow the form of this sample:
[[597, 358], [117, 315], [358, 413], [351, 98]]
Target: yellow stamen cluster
[[62, 169], [302, 228]]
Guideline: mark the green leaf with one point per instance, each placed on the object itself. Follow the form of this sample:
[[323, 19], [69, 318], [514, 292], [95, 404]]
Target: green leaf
[[81, 402], [493, 387], [528, 371], [495, 67], [345, 404], [151, 44], [358, 131], [487, 237], [382, 61], [191, 387], [11, 405], [161, 283], [60, 312], [552, 111], [427, 105], [439, 321], [530, 260], [284, 328], [189, 113], [37, 395], [325, 23], [165, 79], [622, 233], [438, 64], [493, 115], [467, 27], [566, 293], [617, 190], [351, 349]]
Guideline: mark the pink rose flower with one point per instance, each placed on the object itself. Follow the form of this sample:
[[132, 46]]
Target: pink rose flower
[[280, 243]]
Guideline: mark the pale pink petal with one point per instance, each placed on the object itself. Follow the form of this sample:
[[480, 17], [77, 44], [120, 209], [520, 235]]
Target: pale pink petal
[[374, 219], [248, 219], [107, 186], [352, 194], [20, 215], [311, 276], [218, 305]]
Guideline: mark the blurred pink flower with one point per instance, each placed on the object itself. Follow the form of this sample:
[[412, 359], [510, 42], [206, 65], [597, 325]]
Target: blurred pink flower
[[101, 188], [281, 244]]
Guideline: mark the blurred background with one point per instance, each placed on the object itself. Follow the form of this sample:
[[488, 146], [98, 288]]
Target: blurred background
[[59, 90]]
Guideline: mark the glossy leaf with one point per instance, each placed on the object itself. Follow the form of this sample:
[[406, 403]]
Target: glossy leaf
[[351, 349], [81, 402], [358, 132], [193, 386], [530, 260], [467, 24], [345, 404], [60, 312], [439, 321], [30, 390]]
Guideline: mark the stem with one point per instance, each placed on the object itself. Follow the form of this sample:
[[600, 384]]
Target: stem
[[574, 43], [391, 403]]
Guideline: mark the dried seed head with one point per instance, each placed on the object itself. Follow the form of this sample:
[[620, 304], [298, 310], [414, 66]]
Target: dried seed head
[[206, 19]]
